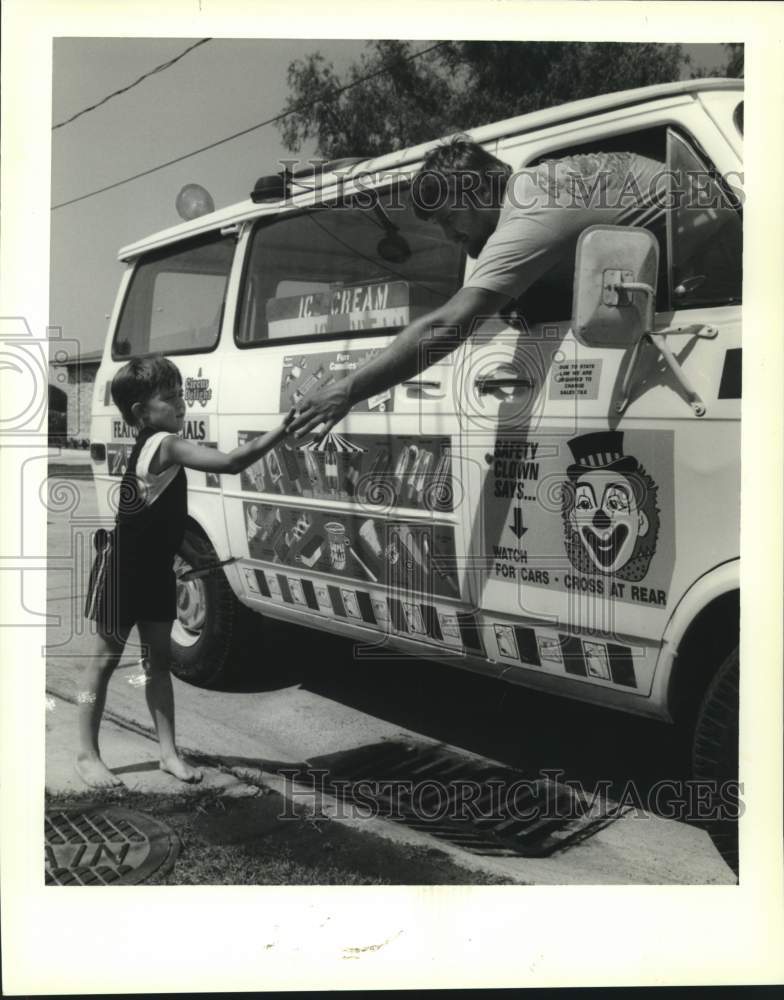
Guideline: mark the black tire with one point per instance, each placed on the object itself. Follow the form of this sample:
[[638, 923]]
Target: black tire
[[210, 647], [715, 755]]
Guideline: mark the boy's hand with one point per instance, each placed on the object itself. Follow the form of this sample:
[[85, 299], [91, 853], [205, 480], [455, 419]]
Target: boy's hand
[[288, 420]]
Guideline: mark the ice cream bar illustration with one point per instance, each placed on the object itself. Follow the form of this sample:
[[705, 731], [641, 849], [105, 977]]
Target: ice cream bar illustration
[[251, 524], [370, 574], [415, 540], [440, 489], [258, 476], [419, 475], [375, 474], [275, 470], [354, 470], [310, 553], [270, 521], [308, 384], [312, 466], [281, 548], [296, 370], [331, 469], [299, 530], [405, 463], [369, 536], [292, 466]]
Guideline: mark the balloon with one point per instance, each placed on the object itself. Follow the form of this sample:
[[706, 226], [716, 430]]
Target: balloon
[[193, 201]]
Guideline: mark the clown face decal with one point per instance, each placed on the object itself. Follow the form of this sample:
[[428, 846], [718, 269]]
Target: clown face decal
[[606, 519], [610, 516]]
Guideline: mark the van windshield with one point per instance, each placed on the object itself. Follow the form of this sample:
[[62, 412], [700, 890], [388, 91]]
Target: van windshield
[[174, 303], [367, 264]]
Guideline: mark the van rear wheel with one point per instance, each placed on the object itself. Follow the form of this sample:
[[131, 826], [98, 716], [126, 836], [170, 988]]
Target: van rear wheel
[[210, 636]]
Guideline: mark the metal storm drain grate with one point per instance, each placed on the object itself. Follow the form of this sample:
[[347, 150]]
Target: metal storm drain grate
[[483, 808], [106, 845]]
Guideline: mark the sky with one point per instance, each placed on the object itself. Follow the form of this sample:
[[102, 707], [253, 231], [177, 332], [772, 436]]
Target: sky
[[220, 88]]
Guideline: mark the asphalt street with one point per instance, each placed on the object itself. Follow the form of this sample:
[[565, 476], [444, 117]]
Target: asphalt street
[[308, 698]]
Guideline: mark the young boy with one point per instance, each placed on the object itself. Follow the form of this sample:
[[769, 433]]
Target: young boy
[[132, 580]]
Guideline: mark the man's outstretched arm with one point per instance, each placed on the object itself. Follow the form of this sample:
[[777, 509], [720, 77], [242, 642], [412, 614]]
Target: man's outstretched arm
[[414, 348]]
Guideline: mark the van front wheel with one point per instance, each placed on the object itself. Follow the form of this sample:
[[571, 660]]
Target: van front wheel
[[715, 758], [210, 636]]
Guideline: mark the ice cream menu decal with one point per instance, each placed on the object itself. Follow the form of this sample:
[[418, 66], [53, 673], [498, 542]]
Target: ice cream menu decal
[[304, 374], [408, 557], [367, 469]]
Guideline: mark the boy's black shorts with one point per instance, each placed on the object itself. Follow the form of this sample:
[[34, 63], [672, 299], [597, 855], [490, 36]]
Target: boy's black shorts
[[126, 588]]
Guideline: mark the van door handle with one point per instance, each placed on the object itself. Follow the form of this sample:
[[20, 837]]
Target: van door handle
[[425, 388], [491, 383]]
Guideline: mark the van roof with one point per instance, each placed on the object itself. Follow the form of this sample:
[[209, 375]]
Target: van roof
[[399, 159]]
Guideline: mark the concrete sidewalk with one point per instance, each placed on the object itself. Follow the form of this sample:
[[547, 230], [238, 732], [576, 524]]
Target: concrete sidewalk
[[626, 852], [129, 753], [69, 456]]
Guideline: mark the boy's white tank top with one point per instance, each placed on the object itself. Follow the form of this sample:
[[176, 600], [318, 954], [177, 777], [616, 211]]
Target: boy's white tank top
[[152, 484]]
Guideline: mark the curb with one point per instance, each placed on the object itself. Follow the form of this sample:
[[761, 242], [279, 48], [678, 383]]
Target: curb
[[325, 808]]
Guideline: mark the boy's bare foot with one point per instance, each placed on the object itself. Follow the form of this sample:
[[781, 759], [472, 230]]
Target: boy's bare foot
[[95, 773], [181, 770]]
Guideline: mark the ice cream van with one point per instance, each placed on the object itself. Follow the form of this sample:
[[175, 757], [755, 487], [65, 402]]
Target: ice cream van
[[556, 503]]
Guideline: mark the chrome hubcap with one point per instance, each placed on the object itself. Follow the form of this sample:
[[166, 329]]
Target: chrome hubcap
[[191, 607]]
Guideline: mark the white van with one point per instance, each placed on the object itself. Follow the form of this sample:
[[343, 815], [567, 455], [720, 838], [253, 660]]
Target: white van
[[543, 505]]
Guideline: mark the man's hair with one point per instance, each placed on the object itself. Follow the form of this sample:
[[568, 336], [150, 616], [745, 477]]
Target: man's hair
[[458, 173], [139, 380]]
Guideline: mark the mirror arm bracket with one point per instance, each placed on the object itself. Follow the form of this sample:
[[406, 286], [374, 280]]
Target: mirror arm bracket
[[658, 339]]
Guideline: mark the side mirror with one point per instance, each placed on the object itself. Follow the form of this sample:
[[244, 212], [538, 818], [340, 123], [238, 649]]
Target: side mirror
[[614, 285]]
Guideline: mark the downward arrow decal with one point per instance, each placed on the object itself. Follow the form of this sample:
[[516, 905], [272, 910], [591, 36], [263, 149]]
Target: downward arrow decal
[[517, 524]]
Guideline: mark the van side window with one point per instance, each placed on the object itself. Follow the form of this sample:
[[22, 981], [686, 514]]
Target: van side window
[[550, 298], [175, 301], [364, 265], [706, 238], [699, 235]]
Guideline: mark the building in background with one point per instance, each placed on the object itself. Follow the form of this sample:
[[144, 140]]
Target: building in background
[[70, 399]]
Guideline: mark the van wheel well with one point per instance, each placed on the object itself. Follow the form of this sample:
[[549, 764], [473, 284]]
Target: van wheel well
[[214, 636], [194, 526], [708, 641]]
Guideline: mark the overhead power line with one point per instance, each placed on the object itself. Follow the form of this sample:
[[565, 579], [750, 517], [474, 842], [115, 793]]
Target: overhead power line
[[245, 131], [124, 90]]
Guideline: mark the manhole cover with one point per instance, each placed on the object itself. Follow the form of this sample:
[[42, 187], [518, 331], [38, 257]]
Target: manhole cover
[[106, 845]]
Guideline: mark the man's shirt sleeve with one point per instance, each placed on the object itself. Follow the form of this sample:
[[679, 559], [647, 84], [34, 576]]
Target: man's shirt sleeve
[[523, 248], [544, 213], [518, 253]]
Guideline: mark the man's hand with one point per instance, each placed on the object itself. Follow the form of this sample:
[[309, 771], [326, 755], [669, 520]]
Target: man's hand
[[322, 410]]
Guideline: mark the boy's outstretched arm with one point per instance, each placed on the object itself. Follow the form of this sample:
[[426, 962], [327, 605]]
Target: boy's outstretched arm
[[174, 450]]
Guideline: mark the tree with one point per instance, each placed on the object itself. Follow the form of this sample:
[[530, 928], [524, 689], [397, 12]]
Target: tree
[[733, 67], [399, 93]]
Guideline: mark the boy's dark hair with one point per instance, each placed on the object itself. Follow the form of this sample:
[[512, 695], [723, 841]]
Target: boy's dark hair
[[140, 379], [458, 173]]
